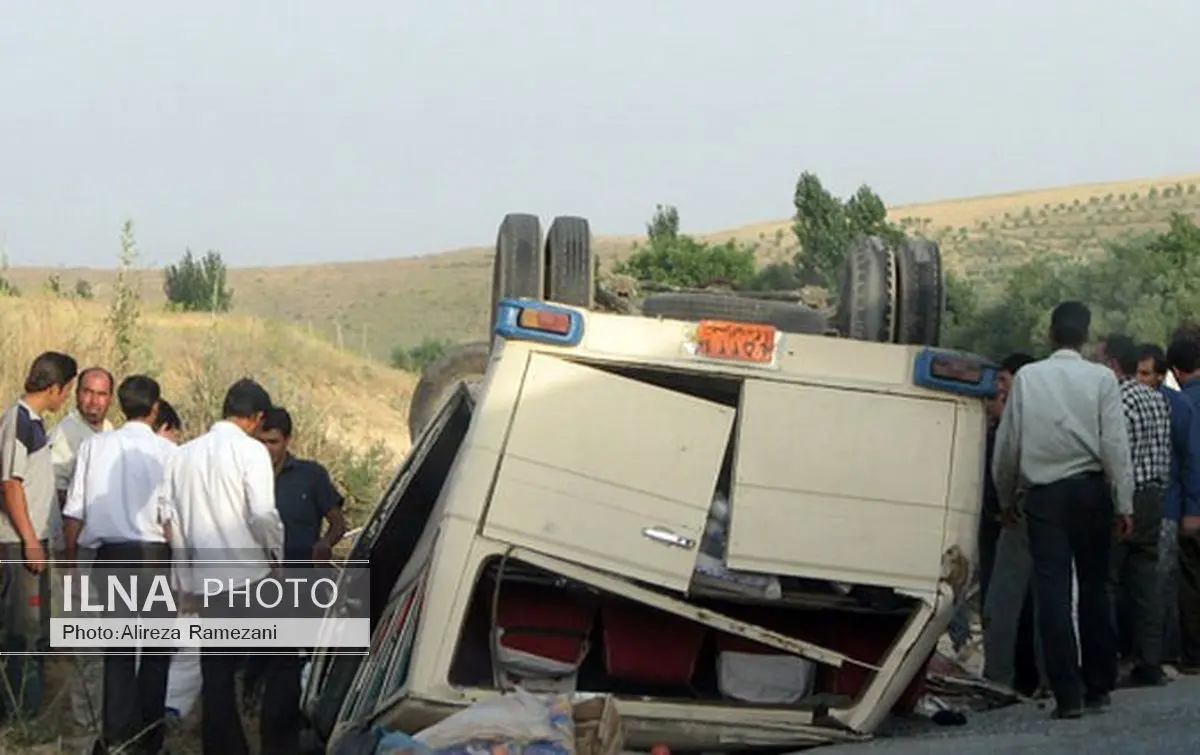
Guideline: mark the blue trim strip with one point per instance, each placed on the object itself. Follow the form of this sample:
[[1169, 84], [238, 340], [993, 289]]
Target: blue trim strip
[[508, 314], [924, 377]]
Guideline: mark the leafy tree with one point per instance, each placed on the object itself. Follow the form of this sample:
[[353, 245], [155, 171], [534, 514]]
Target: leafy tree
[[83, 289], [825, 226], [673, 258], [1144, 286], [197, 285]]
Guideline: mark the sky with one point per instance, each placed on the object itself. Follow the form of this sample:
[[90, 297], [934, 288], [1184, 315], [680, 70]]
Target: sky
[[304, 131]]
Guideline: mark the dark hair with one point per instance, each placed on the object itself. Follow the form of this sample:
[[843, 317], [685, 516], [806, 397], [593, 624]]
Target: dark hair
[[168, 418], [1016, 361], [245, 399], [51, 368], [278, 419], [137, 396], [1184, 355], [1186, 330], [1069, 324], [84, 373], [1155, 352], [1123, 350]]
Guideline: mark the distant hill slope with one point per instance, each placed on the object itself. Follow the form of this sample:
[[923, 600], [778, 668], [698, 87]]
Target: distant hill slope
[[399, 301], [332, 394]]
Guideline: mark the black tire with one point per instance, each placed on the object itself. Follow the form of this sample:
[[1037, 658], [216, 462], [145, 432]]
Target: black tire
[[518, 269], [867, 301], [920, 295], [462, 362], [788, 317], [570, 271]]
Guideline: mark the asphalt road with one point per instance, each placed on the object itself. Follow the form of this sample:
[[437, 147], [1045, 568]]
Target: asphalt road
[[1140, 721]]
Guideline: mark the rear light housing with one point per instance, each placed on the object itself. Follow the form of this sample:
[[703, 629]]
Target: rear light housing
[[956, 372], [533, 320]]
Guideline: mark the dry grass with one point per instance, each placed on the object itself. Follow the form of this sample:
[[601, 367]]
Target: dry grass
[[381, 304]]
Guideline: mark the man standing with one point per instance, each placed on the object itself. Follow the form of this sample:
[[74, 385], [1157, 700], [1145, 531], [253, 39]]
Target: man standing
[[1062, 433], [113, 509], [1183, 357], [90, 416], [220, 491], [30, 510], [93, 397], [1135, 561], [1012, 654], [1184, 485], [305, 497]]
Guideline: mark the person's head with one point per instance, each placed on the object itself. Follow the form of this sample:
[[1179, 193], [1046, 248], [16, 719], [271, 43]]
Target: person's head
[[138, 396], [1183, 358], [1120, 354], [276, 433], [1008, 370], [246, 403], [1069, 324], [1152, 365], [94, 395], [167, 423], [48, 384]]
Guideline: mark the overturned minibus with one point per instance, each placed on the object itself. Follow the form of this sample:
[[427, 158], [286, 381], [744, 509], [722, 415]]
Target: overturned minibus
[[747, 537]]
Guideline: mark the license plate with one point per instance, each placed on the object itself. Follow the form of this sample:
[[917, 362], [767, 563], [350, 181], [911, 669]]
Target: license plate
[[750, 343]]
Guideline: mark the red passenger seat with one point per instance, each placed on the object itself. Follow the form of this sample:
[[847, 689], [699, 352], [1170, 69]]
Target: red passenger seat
[[648, 646], [542, 635]]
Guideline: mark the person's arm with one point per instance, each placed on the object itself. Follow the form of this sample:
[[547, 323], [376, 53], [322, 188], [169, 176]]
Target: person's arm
[[1189, 474], [258, 484], [14, 465], [1006, 455], [329, 505], [1115, 453], [74, 507], [64, 461]]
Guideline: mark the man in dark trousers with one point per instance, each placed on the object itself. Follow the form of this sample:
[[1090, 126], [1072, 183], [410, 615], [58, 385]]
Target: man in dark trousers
[[1010, 646], [306, 500], [112, 508], [1183, 357], [1063, 439], [1135, 561]]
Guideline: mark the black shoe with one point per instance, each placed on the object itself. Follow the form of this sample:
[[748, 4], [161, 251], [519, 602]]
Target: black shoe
[[1071, 712], [1097, 703], [1147, 676]]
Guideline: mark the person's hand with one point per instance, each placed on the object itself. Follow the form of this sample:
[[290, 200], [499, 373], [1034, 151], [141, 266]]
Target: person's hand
[[1189, 525], [34, 555], [1123, 526], [322, 552]]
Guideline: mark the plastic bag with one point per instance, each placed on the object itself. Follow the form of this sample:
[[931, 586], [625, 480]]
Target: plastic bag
[[399, 743], [517, 717]]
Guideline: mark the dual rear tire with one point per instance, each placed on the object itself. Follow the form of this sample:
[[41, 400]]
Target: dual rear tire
[[558, 267]]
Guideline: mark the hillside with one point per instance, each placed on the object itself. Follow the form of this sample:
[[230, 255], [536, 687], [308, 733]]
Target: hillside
[[399, 301], [349, 412]]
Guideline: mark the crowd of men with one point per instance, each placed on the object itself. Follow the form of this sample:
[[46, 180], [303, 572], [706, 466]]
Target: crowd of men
[[1089, 540], [86, 494]]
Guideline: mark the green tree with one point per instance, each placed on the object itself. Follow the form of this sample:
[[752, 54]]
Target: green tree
[[673, 258], [198, 285], [825, 226]]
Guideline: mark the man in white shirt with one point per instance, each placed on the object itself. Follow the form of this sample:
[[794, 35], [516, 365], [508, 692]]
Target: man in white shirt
[[220, 489], [1061, 435], [93, 397], [113, 508]]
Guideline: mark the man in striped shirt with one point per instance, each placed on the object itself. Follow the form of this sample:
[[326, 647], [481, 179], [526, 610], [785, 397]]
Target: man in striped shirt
[[1135, 560]]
